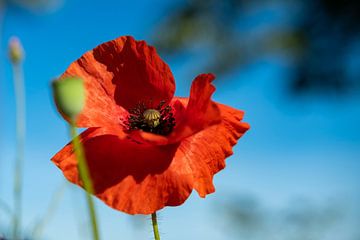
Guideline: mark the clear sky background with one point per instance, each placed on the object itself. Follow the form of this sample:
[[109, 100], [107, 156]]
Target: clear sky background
[[298, 149]]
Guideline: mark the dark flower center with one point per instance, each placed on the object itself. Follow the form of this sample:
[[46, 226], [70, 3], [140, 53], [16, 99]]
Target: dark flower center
[[159, 120]]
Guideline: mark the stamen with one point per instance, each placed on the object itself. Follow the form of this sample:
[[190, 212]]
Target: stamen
[[159, 120]]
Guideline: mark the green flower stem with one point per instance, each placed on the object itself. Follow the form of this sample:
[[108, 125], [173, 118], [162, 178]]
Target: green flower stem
[[2, 14], [5, 208], [20, 143], [54, 203], [155, 226], [85, 178]]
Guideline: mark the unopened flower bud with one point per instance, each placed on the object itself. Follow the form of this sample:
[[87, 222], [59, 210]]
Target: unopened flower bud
[[16, 52], [69, 94]]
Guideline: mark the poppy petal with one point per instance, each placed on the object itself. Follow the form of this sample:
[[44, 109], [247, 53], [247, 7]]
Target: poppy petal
[[128, 176], [138, 72], [206, 151], [100, 108], [121, 72], [201, 111]]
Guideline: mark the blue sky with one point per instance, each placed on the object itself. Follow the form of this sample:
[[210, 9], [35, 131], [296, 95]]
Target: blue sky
[[306, 147]]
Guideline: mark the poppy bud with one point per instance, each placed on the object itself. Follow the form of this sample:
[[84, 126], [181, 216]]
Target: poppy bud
[[69, 94], [16, 52]]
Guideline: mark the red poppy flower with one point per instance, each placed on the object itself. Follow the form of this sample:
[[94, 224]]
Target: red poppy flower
[[145, 148]]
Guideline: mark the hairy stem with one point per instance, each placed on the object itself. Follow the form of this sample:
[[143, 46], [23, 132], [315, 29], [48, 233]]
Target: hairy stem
[[85, 178], [20, 143], [2, 14], [155, 226]]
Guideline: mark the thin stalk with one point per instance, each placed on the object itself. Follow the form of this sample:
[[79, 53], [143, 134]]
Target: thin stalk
[[5, 208], [155, 226], [20, 143], [2, 14], [85, 178], [54, 203]]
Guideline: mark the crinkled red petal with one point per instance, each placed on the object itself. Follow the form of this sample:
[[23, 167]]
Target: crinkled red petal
[[207, 150], [119, 74], [100, 108], [128, 176]]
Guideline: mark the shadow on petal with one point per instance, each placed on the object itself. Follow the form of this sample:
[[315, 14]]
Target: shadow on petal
[[111, 159]]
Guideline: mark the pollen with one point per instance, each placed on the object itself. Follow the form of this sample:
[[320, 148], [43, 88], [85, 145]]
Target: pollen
[[152, 117]]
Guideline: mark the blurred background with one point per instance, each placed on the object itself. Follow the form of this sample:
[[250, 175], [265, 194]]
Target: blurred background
[[293, 66]]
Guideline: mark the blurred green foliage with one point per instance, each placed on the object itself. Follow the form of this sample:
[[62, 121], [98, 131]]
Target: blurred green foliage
[[33, 5], [317, 37]]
